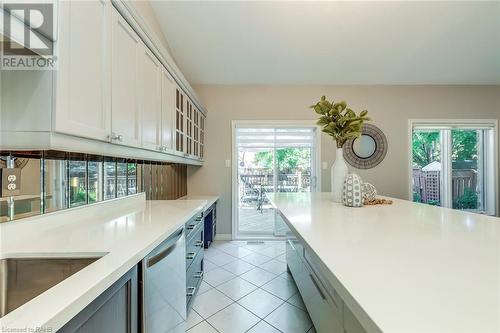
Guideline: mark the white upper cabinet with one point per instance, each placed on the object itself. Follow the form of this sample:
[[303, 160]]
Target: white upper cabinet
[[167, 110], [83, 105], [202, 135], [180, 139], [126, 57], [112, 94], [150, 72]]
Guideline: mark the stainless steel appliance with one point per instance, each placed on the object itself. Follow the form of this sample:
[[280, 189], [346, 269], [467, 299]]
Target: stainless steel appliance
[[163, 285]]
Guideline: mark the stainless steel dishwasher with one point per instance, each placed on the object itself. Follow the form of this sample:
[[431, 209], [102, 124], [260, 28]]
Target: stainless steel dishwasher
[[163, 286]]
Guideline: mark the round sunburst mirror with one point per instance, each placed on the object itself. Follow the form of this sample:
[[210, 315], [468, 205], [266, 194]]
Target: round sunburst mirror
[[368, 150]]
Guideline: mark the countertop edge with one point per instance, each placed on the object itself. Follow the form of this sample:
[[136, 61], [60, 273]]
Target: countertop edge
[[19, 317], [355, 307]]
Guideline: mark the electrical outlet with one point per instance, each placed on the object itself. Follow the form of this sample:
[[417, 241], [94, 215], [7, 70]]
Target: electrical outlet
[[11, 182]]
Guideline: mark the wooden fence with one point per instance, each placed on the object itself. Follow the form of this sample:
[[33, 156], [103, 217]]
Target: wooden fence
[[428, 183]]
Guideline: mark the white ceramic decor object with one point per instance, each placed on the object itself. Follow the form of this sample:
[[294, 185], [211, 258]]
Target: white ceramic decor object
[[353, 192], [369, 191], [339, 172]]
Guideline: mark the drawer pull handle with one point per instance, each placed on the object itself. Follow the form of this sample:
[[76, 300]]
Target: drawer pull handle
[[190, 255], [191, 226], [199, 244], [165, 252], [198, 275], [317, 287], [190, 291]]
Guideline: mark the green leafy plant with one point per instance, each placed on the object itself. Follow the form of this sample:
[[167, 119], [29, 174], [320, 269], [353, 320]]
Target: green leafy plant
[[467, 201], [339, 121]]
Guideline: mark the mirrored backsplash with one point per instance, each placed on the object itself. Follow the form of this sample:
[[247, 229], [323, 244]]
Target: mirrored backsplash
[[54, 180]]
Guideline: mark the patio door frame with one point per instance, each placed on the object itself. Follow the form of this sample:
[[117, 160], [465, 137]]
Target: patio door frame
[[316, 162], [445, 139]]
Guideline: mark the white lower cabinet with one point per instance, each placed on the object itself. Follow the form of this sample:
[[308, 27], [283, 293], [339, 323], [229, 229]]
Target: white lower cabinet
[[325, 307]]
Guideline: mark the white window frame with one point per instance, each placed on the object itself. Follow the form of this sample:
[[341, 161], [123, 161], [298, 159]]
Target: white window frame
[[445, 142], [234, 160]]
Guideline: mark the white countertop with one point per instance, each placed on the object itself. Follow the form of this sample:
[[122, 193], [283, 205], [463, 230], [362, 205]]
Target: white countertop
[[210, 199], [410, 267], [126, 229]]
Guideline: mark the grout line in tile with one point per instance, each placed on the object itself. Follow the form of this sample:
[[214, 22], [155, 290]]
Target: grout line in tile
[[213, 326], [266, 323], [220, 309], [257, 288]]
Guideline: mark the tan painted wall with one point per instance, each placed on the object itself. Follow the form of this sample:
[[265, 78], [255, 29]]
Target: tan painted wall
[[390, 108]]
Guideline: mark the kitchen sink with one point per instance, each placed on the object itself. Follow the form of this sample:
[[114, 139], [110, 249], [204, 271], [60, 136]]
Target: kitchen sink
[[22, 279]]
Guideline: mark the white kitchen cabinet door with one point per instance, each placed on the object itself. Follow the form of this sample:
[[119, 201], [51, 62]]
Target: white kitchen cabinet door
[[150, 71], [189, 127], [125, 115], [180, 106], [167, 110], [83, 94], [202, 135]]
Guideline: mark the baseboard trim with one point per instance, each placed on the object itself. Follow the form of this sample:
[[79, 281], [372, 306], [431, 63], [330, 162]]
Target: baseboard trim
[[220, 237]]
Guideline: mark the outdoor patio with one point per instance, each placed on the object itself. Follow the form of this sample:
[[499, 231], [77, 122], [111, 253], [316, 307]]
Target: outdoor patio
[[252, 220]]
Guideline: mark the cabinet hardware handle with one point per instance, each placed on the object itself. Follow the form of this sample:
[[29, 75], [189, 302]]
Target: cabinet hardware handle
[[191, 226], [199, 243], [317, 287], [198, 275], [165, 252], [115, 137], [190, 293], [190, 255]]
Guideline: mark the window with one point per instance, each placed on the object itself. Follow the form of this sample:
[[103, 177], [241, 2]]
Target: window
[[454, 164], [270, 157]]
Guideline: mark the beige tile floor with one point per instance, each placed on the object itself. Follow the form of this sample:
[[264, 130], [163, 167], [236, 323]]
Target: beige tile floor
[[246, 288]]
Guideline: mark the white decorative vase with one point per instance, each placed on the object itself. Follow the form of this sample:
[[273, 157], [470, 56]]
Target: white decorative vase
[[338, 173], [353, 191]]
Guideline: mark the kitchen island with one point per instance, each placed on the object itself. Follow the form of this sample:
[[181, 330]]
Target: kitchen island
[[120, 232], [405, 267]]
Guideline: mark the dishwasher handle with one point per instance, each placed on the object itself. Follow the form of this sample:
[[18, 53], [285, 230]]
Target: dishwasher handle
[[165, 252]]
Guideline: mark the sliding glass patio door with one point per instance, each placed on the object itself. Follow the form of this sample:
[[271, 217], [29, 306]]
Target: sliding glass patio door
[[454, 165], [270, 159]]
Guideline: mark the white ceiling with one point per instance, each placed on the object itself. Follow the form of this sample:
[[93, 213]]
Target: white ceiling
[[334, 42]]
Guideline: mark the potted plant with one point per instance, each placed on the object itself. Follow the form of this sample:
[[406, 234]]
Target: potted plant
[[342, 124]]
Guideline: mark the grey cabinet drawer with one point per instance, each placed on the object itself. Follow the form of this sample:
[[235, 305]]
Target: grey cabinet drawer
[[325, 312], [193, 224], [194, 244], [293, 258], [115, 310], [194, 276]]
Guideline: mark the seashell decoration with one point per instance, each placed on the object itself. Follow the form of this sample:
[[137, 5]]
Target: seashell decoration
[[369, 191], [353, 192]]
